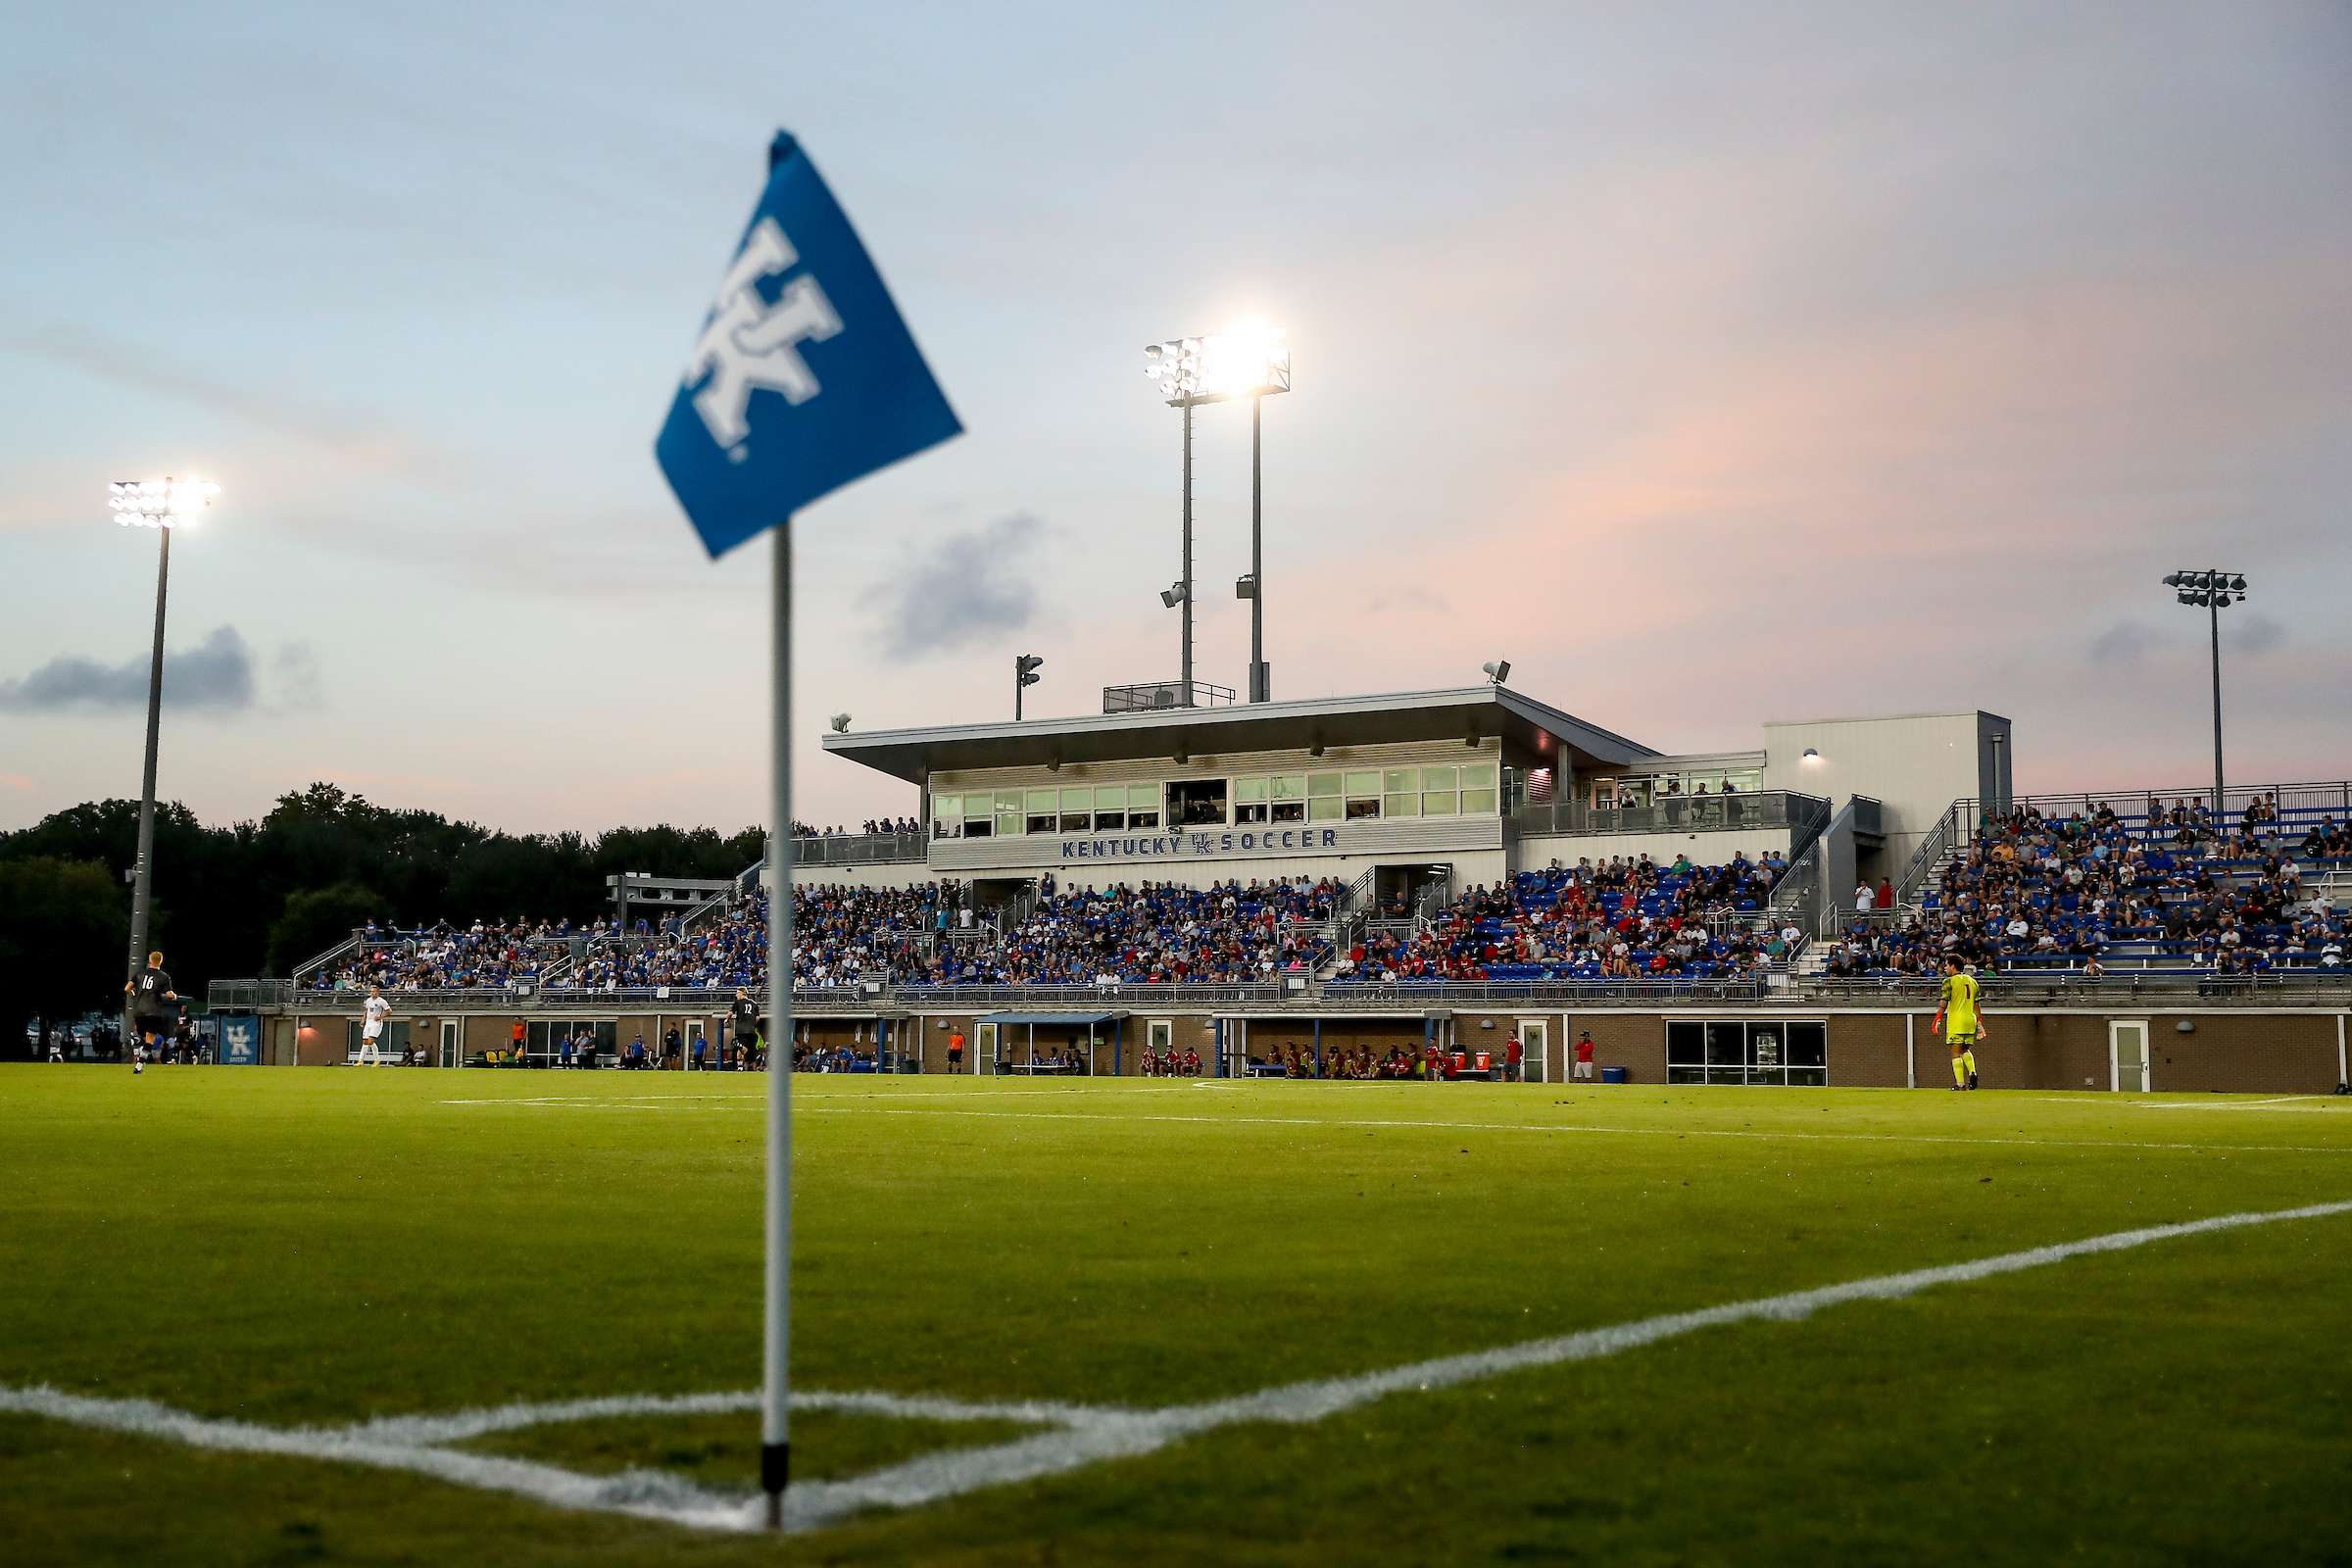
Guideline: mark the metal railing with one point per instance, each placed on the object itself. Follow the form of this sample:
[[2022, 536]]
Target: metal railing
[[1344, 992], [1796, 896], [1154, 696], [1675, 814], [1949, 832], [857, 849], [2002, 989], [2026, 989], [954, 998]]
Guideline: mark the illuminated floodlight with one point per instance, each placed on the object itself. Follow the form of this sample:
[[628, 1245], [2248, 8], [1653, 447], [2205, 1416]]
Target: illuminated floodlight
[[1248, 359], [159, 503]]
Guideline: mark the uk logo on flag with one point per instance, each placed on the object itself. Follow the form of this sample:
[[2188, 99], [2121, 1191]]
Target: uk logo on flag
[[803, 377]]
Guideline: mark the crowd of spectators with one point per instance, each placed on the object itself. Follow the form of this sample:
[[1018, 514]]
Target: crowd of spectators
[[1157, 932], [1622, 920], [450, 958], [872, 824], [2168, 889]]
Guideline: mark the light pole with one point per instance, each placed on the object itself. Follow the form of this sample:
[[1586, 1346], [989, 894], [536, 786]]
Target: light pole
[[1024, 674], [1248, 359], [2210, 590], [162, 505]]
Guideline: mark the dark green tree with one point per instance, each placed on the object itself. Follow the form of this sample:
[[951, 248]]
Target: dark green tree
[[315, 921], [63, 930]]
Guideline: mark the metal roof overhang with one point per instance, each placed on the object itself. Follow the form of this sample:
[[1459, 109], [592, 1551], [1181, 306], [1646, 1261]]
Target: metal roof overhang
[[914, 755], [1077, 1020]]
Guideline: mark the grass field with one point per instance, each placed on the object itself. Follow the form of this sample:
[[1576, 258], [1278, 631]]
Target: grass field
[[317, 1248]]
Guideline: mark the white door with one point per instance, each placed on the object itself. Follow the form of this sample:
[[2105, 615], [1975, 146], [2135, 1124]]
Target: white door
[[2127, 1056], [984, 1056], [1535, 1041], [1159, 1035], [449, 1042]]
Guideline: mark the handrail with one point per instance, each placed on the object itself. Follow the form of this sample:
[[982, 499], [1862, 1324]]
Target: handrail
[[328, 956], [1949, 830], [1678, 814]]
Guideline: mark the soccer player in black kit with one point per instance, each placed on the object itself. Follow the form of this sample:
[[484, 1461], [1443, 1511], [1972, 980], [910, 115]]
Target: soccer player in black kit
[[150, 997]]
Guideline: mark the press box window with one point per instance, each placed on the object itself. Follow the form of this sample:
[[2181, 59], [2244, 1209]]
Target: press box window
[[1044, 811], [946, 816], [1438, 791], [1077, 810], [1324, 801], [1477, 788], [1008, 813], [1143, 806], [1249, 800], [1363, 794], [1400, 792], [1287, 792], [1197, 802]]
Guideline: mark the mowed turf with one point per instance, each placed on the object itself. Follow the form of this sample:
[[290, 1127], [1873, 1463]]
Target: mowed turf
[[313, 1247]]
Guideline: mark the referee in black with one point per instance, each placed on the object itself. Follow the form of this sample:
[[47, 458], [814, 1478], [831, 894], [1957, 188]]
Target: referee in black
[[151, 997], [745, 1027]]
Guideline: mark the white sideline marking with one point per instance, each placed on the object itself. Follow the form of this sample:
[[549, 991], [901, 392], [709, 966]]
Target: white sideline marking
[[1083, 1435], [2281, 1103], [1461, 1126]]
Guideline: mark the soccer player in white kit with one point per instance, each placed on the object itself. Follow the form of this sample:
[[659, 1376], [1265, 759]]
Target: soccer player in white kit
[[372, 1031]]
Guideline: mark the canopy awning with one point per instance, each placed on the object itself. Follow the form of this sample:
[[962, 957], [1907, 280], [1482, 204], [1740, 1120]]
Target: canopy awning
[[1076, 1020]]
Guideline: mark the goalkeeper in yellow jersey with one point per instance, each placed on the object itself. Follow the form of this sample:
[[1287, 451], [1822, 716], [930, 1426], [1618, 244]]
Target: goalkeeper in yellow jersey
[[1957, 1021]]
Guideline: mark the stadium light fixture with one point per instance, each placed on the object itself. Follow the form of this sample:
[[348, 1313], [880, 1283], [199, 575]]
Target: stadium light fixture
[[1174, 594], [1024, 673], [1250, 359], [2213, 591], [162, 504], [839, 723], [1499, 672]]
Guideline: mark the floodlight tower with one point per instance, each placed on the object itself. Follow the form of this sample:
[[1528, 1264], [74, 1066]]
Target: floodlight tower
[[1248, 359], [2212, 591], [162, 505]]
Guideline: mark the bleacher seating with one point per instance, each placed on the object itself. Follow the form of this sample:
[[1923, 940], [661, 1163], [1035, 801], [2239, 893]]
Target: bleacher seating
[[1621, 920], [2161, 889]]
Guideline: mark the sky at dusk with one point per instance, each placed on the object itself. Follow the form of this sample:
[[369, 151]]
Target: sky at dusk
[[1712, 364]]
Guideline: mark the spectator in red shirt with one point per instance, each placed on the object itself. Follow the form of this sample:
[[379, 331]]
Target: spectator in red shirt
[[1584, 1054], [1510, 1061]]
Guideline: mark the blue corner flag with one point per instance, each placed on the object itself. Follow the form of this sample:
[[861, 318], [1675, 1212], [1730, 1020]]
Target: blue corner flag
[[803, 378]]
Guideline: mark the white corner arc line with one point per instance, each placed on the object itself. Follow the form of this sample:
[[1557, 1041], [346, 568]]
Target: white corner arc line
[[1084, 1435]]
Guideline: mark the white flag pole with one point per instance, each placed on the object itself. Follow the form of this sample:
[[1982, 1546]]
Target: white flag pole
[[775, 1438]]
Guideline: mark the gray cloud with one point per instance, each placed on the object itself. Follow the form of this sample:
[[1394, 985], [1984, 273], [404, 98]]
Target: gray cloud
[[2256, 633], [2124, 643], [957, 592], [295, 673], [215, 676]]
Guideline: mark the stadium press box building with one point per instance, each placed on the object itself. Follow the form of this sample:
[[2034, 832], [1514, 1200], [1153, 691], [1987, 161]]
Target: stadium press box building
[[1460, 787]]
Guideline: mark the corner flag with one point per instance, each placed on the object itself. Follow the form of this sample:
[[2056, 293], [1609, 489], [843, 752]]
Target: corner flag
[[803, 378]]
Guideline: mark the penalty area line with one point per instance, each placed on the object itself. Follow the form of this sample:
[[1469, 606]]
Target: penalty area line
[[1082, 1434]]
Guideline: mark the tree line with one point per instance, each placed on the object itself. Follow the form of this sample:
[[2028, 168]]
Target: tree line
[[260, 898]]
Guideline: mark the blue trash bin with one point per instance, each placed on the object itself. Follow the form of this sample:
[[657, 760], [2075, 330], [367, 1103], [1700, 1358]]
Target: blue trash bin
[[1612, 1075]]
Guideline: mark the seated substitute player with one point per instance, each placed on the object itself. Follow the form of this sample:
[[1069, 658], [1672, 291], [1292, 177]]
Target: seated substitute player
[[150, 997], [1958, 1019]]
